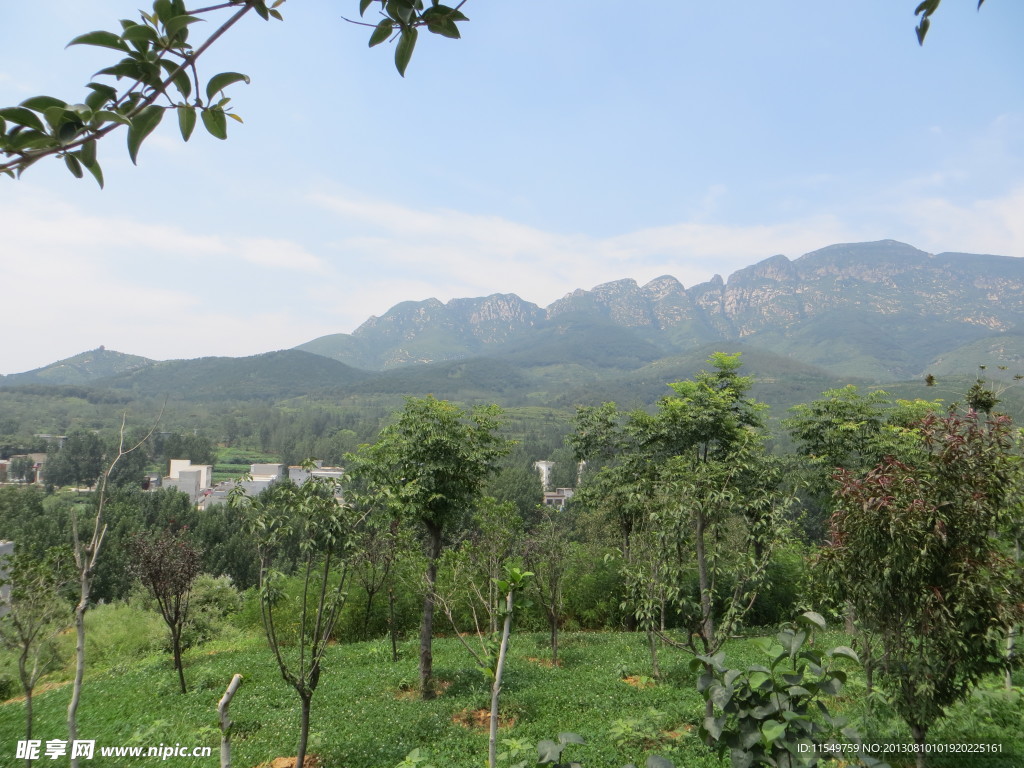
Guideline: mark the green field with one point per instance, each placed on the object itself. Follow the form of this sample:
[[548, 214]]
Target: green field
[[366, 715]]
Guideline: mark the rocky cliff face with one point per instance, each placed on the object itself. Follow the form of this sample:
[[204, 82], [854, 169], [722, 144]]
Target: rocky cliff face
[[887, 294]]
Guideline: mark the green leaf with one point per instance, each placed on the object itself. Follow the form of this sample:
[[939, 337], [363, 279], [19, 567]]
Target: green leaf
[[215, 122], [139, 33], [404, 49], [363, 5], [22, 116], [178, 23], [772, 731], [570, 738], [106, 116], [811, 617], [548, 751], [922, 30], [714, 726], [68, 131], [445, 28], [87, 154], [721, 695], [73, 165], [846, 652], [96, 171], [657, 761], [381, 32], [101, 39], [42, 103], [142, 125], [223, 80], [186, 121]]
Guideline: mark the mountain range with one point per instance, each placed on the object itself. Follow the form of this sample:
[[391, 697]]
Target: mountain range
[[883, 311], [878, 312]]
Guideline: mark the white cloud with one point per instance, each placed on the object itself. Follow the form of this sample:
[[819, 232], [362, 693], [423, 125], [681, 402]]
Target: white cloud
[[162, 291], [994, 225], [465, 254]]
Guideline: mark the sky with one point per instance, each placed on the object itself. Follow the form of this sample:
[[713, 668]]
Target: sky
[[556, 146]]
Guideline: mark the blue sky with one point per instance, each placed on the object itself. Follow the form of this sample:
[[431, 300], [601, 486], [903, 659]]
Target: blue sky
[[556, 146]]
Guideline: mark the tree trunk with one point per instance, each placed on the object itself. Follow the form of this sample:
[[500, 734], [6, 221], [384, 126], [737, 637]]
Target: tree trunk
[[553, 618], [920, 733], [225, 723], [391, 623], [366, 613], [28, 720], [707, 628], [176, 646], [300, 757], [653, 643], [427, 628], [707, 625], [499, 670], [76, 688], [26, 686]]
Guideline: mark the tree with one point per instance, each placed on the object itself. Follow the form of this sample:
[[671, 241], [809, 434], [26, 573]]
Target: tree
[[87, 552], [158, 74], [23, 468], [79, 461], [845, 429], [167, 565], [429, 466], [313, 516], [912, 549], [695, 476], [547, 556], [35, 612]]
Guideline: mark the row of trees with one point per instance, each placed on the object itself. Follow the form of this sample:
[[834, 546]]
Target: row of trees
[[920, 515], [82, 457]]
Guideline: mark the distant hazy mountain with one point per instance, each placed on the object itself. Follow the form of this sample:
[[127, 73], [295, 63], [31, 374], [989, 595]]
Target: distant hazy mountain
[[84, 368], [272, 375], [882, 311]]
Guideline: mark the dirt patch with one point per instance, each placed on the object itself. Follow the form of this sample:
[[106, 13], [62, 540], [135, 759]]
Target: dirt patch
[[310, 761], [638, 681], [480, 719], [409, 692], [677, 733]]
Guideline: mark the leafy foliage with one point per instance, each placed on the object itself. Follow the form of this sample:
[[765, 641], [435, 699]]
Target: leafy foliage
[[776, 715], [313, 517], [925, 11], [167, 565], [912, 550], [158, 74]]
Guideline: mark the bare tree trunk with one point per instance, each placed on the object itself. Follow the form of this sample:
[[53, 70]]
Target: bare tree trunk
[[553, 618], [652, 641], [707, 627], [499, 670], [176, 648], [920, 733], [427, 628], [391, 623], [76, 688], [85, 561], [225, 723], [300, 758]]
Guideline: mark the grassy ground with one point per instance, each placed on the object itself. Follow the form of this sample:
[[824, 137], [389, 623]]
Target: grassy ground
[[364, 715]]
